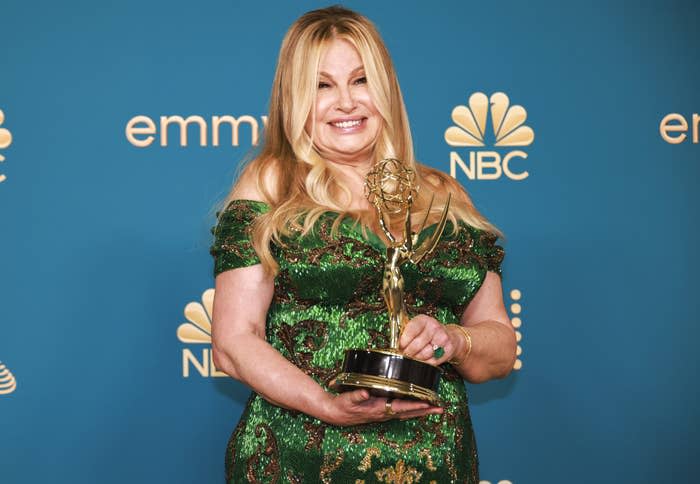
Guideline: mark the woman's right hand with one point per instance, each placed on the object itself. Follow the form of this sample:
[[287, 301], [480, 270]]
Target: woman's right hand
[[358, 407]]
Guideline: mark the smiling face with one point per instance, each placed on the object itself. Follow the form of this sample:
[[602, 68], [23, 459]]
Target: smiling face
[[347, 124]]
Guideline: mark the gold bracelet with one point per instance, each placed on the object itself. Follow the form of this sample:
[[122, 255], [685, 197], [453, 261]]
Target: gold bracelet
[[468, 338]]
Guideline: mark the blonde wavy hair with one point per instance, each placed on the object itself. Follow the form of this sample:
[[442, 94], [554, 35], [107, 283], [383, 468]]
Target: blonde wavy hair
[[293, 179]]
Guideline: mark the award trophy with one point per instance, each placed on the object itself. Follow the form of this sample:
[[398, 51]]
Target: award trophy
[[390, 187]]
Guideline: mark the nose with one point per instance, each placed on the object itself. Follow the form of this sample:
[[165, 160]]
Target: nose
[[346, 99]]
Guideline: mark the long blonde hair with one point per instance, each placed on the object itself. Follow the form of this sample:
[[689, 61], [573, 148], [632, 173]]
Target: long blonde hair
[[291, 176]]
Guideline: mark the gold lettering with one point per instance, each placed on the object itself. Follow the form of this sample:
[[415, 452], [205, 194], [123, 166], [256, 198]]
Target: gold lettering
[[482, 161], [165, 121], [132, 130], [218, 120], [506, 167], [665, 128], [144, 125], [696, 123], [201, 367], [455, 160]]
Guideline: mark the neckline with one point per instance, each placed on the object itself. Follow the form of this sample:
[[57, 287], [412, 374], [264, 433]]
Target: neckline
[[372, 238]]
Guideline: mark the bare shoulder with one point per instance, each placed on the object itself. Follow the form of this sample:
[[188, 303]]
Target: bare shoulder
[[258, 181]]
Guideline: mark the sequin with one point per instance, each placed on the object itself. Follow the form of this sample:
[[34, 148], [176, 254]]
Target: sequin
[[366, 463], [399, 474], [326, 299]]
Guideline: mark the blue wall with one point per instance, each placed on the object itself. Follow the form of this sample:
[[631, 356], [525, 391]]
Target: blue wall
[[104, 243]]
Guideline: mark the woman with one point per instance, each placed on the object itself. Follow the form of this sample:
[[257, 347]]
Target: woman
[[298, 266]]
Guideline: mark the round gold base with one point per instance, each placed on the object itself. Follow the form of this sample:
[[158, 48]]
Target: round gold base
[[387, 387]]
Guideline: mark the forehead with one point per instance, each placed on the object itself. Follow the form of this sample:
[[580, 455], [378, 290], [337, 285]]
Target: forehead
[[340, 58]]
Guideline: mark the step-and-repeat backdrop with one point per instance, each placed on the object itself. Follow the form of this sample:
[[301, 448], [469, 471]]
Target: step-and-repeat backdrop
[[123, 124]]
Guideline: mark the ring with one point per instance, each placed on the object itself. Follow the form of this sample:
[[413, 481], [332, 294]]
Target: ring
[[438, 351], [387, 407]]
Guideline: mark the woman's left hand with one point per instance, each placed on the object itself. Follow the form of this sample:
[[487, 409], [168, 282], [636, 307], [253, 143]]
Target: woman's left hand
[[422, 335]]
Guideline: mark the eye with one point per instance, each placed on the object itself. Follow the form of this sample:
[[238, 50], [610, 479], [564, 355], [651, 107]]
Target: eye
[[361, 80], [323, 85]]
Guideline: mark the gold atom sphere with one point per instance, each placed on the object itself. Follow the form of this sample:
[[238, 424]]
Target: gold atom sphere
[[391, 185]]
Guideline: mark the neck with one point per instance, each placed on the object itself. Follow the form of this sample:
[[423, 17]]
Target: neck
[[353, 178]]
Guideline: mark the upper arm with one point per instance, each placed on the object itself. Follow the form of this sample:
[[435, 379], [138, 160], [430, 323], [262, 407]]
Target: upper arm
[[243, 289], [487, 303], [241, 301]]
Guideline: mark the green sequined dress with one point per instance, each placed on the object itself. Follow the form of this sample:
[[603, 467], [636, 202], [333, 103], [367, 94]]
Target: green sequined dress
[[326, 299]]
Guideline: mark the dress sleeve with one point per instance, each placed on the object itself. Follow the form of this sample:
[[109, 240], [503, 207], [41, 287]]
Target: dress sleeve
[[233, 246], [487, 251]]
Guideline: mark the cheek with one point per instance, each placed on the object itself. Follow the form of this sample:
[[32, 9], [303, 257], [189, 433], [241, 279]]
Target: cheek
[[321, 106], [366, 99]]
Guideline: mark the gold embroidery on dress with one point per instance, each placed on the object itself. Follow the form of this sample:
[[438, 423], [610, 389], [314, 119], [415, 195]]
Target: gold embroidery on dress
[[353, 437], [425, 453], [366, 462], [315, 433], [451, 466], [294, 479], [302, 354], [267, 448], [417, 437], [399, 474], [329, 467]]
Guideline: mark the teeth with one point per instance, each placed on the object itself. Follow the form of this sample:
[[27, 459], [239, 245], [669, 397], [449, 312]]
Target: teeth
[[348, 124]]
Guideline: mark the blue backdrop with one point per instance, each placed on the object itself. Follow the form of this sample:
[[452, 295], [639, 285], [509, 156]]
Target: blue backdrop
[[105, 242]]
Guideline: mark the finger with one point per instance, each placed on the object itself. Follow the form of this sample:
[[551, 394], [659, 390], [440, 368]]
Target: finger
[[395, 408], [426, 353], [379, 411], [419, 342], [443, 341], [427, 409], [412, 329], [420, 413], [402, 405], [428, 327], [440, 338], [377, 406], [358, 396]]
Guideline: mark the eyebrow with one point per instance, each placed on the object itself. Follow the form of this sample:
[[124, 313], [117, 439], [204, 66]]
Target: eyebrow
[[356, 69]]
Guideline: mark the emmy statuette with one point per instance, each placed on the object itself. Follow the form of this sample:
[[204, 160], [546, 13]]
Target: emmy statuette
[[390, 187]]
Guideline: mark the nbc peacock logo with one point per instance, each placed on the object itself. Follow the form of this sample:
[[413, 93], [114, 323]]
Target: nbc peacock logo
[[5, 141], [8, 384], [197, 331], [470, 131]]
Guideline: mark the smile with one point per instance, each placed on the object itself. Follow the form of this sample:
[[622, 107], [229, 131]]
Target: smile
[[348, 124]]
